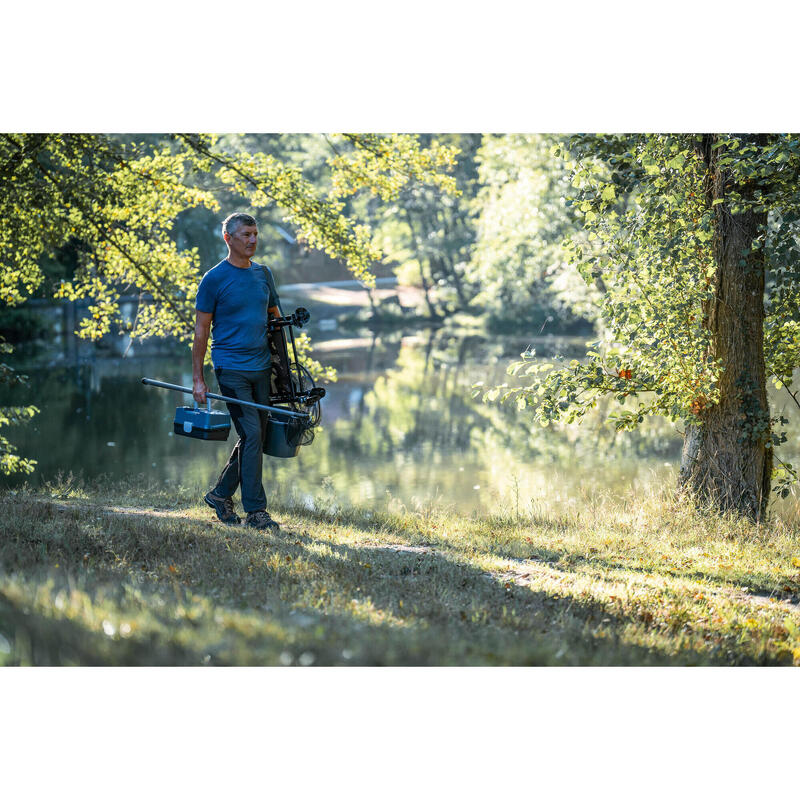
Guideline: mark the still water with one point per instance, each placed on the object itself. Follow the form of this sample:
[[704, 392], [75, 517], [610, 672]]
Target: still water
[[400, 429]]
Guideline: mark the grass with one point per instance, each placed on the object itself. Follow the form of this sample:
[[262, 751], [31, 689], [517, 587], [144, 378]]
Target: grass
[[92, 575]]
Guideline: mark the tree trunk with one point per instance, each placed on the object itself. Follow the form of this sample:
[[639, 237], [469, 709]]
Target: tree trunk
[[725, 459], [426, 284], [447, 258]]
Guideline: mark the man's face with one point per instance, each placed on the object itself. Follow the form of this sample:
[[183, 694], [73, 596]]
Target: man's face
[[243, 240]]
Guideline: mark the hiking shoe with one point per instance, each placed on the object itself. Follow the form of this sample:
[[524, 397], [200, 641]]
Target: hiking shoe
[[224, 508], [262, 521]]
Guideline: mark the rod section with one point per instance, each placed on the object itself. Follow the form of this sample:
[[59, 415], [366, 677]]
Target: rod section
[[187, 390]]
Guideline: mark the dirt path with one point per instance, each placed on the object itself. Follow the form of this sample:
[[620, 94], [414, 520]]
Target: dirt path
[[123, 511]]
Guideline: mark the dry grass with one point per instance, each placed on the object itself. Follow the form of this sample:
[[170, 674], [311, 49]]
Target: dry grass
[[91, 576]]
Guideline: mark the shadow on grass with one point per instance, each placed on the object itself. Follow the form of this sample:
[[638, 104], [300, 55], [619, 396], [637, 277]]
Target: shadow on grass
[[40, 640], [757, 584], [334, 603]]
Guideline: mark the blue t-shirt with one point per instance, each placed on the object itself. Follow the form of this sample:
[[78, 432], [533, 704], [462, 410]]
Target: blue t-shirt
[[238, 298]]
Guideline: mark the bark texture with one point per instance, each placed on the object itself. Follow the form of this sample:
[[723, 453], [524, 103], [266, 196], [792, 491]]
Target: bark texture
[[725, 460]]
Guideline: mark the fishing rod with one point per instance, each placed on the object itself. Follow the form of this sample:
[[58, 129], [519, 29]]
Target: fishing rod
[[284, 412]]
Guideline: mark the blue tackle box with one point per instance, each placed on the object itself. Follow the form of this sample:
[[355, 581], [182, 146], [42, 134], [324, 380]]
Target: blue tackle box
[[202, 423]]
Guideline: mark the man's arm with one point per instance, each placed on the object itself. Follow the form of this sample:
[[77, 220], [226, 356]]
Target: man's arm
[[202, 330], [274, 311]]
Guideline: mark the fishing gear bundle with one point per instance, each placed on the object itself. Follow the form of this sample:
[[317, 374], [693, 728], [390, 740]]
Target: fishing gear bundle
[[291, 382], [294, 411]]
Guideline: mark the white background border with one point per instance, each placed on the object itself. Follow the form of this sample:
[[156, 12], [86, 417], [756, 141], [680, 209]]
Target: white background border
[[410, 66]]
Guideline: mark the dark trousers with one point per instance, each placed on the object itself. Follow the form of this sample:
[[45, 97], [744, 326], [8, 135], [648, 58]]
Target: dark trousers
[[244, 465]]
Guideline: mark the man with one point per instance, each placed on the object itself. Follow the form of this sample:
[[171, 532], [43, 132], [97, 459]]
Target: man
[[233, 302]]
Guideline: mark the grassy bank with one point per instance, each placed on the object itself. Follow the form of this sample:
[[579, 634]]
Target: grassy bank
[[100, 577]]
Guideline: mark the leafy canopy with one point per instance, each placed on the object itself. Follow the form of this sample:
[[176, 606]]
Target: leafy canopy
[[647, 244], [115, 200]]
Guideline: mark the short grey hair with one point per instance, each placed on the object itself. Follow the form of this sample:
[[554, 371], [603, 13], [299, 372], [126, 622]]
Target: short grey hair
[[233, 222]]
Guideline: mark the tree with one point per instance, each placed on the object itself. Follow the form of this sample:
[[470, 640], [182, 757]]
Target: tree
[[523, 216], [693, 242], [114, 201], [13, 415], [429, 229]]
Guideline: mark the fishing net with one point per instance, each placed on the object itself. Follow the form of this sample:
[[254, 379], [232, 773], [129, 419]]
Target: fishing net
[[301, 432]]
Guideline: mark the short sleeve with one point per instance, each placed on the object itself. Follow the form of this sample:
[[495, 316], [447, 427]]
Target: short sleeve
[[206, 300], [274, 300]]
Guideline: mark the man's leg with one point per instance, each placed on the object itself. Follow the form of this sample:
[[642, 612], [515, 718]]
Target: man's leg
[[261, 392], [244, 464], [228, 481], [220, 498]]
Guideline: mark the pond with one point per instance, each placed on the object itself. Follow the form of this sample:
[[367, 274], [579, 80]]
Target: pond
[[400, 429]]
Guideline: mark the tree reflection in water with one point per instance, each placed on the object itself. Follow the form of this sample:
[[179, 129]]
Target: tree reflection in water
[[418, 436]]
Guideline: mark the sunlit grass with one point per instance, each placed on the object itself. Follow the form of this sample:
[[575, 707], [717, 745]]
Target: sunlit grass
[[142, 574]]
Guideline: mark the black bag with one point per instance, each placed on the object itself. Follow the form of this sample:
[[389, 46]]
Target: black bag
[[280, 379]]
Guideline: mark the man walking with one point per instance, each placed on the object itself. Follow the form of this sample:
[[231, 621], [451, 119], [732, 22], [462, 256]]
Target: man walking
[[234, 300]]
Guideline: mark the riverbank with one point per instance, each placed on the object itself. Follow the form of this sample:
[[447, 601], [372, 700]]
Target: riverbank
[[99, 577]]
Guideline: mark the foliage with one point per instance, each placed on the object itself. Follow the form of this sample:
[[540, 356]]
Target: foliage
[[120, 199], [317, 370], [13, 415], [428, 228], [385, 165], [649, 233], [523, 216], [116, 203]]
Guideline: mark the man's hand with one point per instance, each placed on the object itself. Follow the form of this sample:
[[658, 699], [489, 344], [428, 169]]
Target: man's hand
[[199, 390]]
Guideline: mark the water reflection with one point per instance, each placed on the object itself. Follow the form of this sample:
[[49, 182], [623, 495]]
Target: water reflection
[[399, 429]]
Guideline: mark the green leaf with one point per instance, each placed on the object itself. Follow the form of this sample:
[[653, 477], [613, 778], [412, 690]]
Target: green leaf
[[608, 192]]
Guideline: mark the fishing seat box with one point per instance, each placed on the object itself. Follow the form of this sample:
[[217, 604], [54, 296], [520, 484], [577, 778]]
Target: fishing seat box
[[202, 423]]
